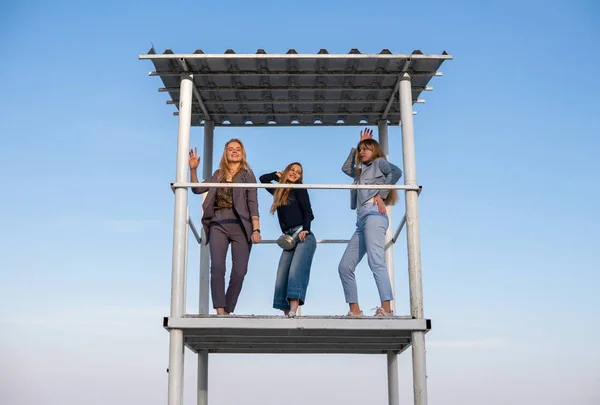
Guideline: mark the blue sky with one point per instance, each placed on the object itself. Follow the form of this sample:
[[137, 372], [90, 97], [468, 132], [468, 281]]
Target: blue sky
[[507, 150]]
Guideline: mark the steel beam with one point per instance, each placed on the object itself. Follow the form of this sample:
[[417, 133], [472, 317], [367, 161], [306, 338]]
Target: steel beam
[[316, 114], [195, 90], [318, 241], [413, 241], [207, 162], [178, 290], [392, 357], [305, 186], [344, 56], [217, 88], [389, 251], [292, 74], [194, 229], [302, 325], [289, 102]]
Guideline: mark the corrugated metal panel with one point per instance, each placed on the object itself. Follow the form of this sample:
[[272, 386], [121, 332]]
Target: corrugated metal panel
[[294, 89]]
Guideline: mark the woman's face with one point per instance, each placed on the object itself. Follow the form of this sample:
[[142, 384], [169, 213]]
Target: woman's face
[[364, 153], [234, 152], [294, 174]]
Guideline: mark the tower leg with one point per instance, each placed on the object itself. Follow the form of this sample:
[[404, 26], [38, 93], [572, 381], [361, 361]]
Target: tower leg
[[413, 240], [180, 230], [392, 357], [209, 132]]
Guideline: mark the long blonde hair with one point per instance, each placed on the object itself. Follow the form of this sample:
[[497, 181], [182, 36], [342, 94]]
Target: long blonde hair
[[374, 146], [281, 195], [224, 164]]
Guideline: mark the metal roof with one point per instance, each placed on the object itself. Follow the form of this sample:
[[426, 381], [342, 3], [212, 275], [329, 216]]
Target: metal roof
[[295, 89]]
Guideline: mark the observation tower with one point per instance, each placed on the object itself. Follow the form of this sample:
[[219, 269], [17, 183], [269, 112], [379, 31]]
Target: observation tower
[[291, 89]]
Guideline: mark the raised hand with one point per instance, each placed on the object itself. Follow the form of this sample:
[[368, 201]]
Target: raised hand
[[366, 134], [194, 159]]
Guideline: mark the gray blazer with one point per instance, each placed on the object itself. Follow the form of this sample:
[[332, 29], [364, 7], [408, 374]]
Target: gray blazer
[[245, 201]]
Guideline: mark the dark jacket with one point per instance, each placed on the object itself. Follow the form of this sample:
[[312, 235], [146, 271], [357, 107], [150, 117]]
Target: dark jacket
[[297, 211], [245, 201]]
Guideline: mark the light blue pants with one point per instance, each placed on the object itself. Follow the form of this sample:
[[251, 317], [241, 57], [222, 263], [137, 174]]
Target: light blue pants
[[368, 238]]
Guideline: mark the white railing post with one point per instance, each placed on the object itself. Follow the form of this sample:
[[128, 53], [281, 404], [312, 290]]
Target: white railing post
[[180, 230], [207, 163], [389, 247], [392, 357], [413, 240], [202, 391]]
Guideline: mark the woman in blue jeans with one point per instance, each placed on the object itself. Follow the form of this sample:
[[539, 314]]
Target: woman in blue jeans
[[367, 165], [295, 216]]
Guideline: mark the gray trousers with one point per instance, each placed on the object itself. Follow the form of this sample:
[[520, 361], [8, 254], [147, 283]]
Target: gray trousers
[[226, 229]]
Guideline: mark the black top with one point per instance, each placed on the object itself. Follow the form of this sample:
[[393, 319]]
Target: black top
[[297, 211]]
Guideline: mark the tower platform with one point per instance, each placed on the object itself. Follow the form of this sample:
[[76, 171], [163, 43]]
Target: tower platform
[[301, 335]]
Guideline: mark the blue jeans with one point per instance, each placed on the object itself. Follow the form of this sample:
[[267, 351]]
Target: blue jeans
[[293, 273], [368, 238]]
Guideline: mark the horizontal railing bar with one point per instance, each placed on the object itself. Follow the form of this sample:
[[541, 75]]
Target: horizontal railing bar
[[318, 241], [301, 186], [269, 241]]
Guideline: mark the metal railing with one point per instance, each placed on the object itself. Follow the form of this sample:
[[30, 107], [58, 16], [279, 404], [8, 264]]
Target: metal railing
[[301, 186]]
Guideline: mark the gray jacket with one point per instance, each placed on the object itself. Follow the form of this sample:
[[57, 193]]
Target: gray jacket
[[245, 201], [379, 171]]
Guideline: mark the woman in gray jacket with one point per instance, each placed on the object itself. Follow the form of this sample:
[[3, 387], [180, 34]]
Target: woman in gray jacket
[[367, 165], [230, 216]]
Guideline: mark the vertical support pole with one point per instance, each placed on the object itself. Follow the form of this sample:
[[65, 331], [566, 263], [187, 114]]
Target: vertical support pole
[[392, 370], [202, 392], [382, 128], [392, 357], [176, 348], [413, 240], [185, 263], [207, 159]]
